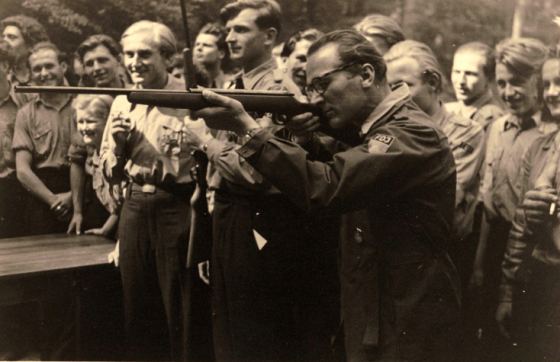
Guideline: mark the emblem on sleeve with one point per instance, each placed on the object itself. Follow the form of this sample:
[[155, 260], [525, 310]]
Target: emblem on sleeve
[[380, 143], [468, 148]]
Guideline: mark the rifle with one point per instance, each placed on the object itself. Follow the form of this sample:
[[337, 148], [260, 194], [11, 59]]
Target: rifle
[[280, 102]]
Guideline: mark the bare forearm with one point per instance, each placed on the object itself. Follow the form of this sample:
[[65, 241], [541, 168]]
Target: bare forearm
[[77, 185], [110, 224], [34, 185]]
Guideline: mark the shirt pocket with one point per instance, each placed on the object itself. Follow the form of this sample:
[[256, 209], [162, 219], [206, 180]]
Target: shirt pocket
[[42, 140]]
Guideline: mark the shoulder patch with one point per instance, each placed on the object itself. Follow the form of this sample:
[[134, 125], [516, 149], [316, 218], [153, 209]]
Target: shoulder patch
[[468, 148], [380, 143]]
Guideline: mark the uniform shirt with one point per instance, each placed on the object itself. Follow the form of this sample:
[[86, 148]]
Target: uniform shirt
[[523, 242], [403, 176], [484, 110], [45, 130], [110, 195], [404, 167], [508, 140], [8, 112], [154, 151], [466, 139], [227, 170]]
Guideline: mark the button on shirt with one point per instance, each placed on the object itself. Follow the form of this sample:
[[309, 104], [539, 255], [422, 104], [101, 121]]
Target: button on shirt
[[45, 130], [484, 110], [466, 139], [508, 140], [154, 151], [524, 242], [8, 112]]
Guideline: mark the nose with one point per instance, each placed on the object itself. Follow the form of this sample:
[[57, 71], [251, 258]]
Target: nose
[[553, 90], [230, 37], [462, 78], [134, 60], [44, 72], [315, 98], [96, 65], [509, 90]]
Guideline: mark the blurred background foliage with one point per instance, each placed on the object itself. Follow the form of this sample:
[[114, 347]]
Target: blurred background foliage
[[442, 24]]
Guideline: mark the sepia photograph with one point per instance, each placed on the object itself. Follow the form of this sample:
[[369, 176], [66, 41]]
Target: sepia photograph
[[280, 180]]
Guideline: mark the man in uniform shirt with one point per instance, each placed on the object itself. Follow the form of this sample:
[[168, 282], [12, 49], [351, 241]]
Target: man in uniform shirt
[[472, 74], [210, 51], [382, 31], [11, 191], [101, 56], [403, 174], [415, 64], [144, 144], [43, 131], [22, 33], [269, 259]]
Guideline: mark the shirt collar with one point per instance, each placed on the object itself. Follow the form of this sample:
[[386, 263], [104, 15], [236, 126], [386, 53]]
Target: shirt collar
[[251, 78], [440, 116], [398, 95], [514, 121], [11, 95], [67, 99], [482, 100]]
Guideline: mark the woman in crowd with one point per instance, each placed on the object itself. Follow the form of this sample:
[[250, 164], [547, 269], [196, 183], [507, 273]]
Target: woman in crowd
[[92, 113]]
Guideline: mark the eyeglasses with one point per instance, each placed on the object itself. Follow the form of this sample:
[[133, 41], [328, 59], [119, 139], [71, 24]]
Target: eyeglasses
[[320, 84]]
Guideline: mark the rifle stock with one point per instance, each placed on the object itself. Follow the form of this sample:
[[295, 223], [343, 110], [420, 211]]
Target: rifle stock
[[279, 102]]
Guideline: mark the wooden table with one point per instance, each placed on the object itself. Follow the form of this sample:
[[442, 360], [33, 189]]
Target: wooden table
[[40, 268]]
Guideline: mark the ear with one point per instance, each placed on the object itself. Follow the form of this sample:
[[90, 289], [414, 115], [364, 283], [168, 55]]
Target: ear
[[271, 35], [64, 66], [367, 75], [222, 54], [434, 81]]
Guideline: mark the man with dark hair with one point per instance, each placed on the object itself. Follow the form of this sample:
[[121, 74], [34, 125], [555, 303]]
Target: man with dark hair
[[22, 33], [42, 136], [101, 57], [473, 72], [403, 174], [294, 54], [382, 31], [12, 194], [210, 52], [273, 268]]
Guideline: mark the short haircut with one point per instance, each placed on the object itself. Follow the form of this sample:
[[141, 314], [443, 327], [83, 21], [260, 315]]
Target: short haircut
[[31, 31], [353, 48], [270, 14], [381, 25], [523, 57], [476, 47], [47, 45], [103, 104], [162, 35], [96, 40], [310, 35], [420, 52], [219, 31], [6, 54]]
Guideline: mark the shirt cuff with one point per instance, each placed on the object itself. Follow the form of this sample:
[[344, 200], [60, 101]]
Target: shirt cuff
[[255, 143]]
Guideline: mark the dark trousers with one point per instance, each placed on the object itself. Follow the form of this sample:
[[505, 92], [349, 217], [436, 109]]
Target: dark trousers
[[269, 304], [38, 215], [154, 234], [13, 199]]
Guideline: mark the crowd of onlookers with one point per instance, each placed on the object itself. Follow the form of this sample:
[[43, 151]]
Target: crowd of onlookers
[[282, 281]]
